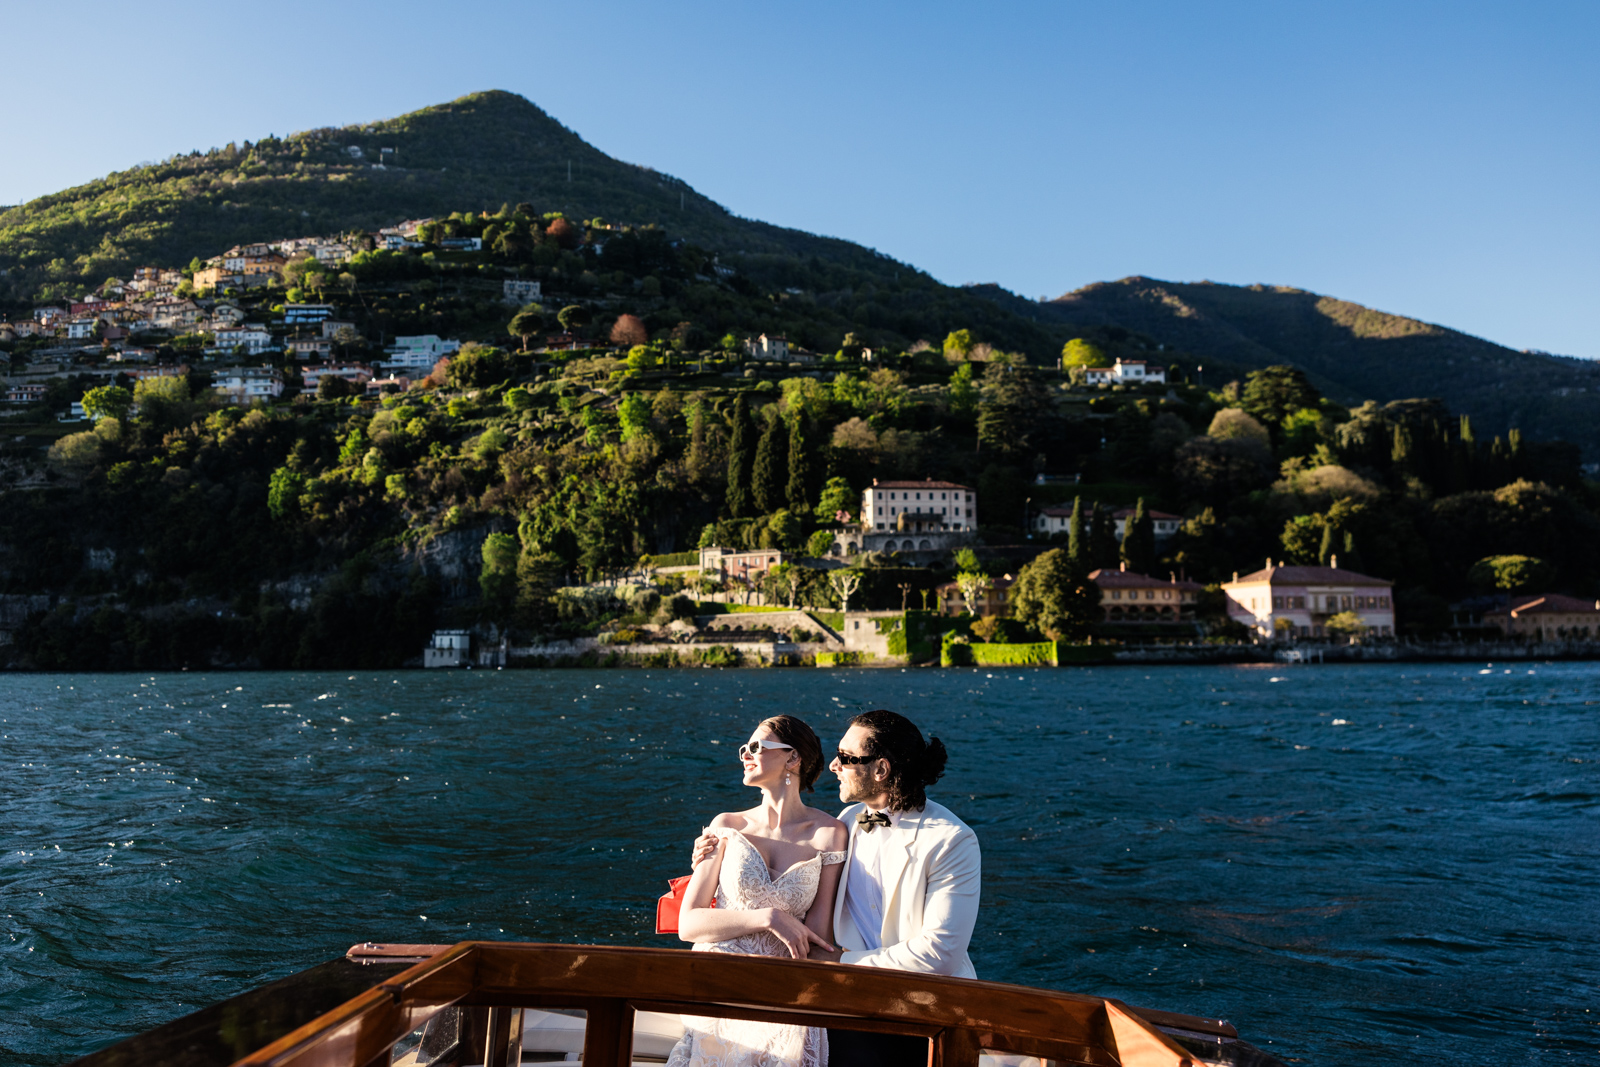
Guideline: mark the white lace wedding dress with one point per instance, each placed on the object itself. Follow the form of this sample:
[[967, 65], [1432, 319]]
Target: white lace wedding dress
[[744, 884]]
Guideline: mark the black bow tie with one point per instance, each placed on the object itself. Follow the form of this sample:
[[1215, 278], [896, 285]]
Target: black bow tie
[[868, 819]]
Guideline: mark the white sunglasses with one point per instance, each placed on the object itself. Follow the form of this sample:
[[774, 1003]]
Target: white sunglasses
[[753, 748]]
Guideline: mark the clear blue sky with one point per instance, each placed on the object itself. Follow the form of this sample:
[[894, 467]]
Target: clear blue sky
[[1439, 160]]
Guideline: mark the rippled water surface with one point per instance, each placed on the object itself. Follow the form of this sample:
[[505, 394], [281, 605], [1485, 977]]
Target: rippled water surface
[[1355, 864]]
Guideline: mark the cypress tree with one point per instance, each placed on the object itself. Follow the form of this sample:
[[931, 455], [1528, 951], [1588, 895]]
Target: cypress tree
[[1326, 550], [1400, 451], [741, 430], [1139, 540], [695, 461], [799, 488], [767, 474], [1077, 539], [1349, 557], [1102, 538]]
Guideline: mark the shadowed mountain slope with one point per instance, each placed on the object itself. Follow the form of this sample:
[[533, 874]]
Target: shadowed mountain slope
[[1351, 351]]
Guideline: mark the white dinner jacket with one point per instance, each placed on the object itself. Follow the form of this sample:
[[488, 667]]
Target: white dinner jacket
[[930, 902]]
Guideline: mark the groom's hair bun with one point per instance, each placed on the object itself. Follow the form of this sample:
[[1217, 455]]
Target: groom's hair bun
[[793, 731], [914, 764]]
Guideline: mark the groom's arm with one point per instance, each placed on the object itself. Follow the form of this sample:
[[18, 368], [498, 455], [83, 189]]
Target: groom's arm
[[949, 912]]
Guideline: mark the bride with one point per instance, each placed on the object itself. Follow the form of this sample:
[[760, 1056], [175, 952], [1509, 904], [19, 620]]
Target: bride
[[773, 876]]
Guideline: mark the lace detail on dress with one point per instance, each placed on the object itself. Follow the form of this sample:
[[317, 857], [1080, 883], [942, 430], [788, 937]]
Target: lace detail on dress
[[745, 884]]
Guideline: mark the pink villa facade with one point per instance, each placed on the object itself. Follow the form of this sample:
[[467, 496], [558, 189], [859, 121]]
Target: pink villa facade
[[1298, 601]]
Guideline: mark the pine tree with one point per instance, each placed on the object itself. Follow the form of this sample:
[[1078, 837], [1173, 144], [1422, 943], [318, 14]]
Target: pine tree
[[767, 481], [1139, 540], [739, 459], [1077, 538], [798, 494]]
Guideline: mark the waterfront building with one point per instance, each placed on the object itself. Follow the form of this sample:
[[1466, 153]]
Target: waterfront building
[[991, 597], [924, 519], [1279, 601], [1547, 617], [1130, 597]]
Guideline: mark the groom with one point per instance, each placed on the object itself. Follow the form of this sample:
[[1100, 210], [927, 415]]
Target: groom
[[910, 893]]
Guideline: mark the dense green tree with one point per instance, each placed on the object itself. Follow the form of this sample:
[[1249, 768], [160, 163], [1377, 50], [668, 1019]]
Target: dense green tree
[[107, 402], [1078, 537], [798, 489], [963, 393], [633, 414], [1055, 597], [1080, 353], [1103, 544], [283, 492], [478, 367], [1139, 540], [1273, 393], [574, 318], [837, 497], [768, 479], [1015, 410], [958, 345], [498, 576], [525, 323], [741, 455], [1511, 574]]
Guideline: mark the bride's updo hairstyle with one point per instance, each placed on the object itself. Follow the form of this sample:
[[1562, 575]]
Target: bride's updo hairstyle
[[913, 764], [793, 731]]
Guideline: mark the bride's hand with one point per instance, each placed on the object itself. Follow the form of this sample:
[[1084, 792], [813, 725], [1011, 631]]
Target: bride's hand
[[796, 936], [704, 846]]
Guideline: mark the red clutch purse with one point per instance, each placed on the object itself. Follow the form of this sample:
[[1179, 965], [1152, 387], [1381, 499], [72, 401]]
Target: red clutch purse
[[670, 904]]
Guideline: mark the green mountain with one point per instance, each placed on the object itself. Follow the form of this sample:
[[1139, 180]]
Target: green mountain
[[489, 149], [1350, 351], [476, 153]]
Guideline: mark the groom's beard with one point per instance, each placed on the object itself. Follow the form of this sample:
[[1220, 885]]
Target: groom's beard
[[854, 790]]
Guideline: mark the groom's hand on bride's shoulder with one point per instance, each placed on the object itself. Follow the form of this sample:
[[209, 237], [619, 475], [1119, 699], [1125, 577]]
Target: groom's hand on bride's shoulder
[[704, 846]]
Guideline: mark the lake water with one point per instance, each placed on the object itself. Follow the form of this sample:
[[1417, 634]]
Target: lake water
[[1354, 864]]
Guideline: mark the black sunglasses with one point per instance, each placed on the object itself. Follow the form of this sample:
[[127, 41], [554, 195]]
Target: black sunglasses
[[850, 761]]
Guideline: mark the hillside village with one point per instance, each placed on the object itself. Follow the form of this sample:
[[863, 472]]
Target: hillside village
[[502, 437]]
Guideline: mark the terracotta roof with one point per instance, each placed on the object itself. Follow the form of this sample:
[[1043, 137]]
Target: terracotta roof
[[1552, 604], [1123, 513], [1308, 576], [929, 484], [1108, 578], [1003, 582], [1120, 513]]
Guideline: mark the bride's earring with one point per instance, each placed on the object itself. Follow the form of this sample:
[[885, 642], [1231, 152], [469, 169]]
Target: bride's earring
[[785, 777]]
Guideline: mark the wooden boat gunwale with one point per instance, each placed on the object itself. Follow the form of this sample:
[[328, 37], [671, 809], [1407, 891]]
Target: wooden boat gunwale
[[959, 1016]]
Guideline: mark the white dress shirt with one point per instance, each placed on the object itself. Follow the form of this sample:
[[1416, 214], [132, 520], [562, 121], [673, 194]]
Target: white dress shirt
[[863, 884]]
